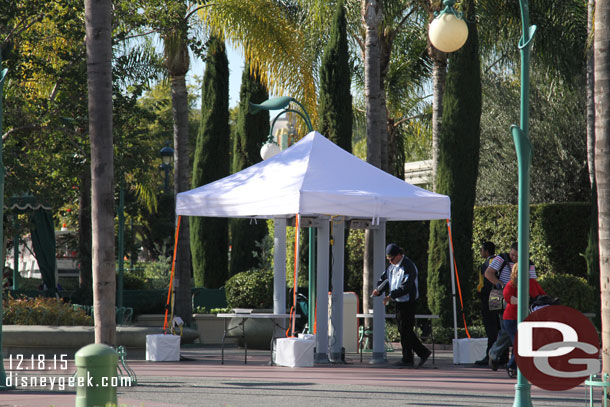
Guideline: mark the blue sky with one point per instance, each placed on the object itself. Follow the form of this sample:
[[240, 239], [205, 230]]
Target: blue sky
[[236, 66]]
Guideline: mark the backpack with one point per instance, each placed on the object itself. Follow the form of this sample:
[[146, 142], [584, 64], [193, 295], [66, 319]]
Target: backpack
[[483, 282], [506, 259], [485, 286], [542, 301]]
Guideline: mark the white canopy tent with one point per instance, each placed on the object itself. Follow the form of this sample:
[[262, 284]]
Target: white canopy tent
[[316, 179]]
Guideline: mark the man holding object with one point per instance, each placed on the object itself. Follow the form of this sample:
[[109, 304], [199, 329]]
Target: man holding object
[[402, 287]]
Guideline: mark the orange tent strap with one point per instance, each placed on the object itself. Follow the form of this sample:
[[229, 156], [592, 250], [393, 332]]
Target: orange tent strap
[[315, 319], [457, 278], [289, 325], [171, 279]]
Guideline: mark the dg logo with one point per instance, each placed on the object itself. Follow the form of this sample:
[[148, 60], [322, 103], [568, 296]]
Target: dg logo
[[557, 348]]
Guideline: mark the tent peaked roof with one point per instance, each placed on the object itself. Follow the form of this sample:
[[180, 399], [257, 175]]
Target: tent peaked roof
[[313, 177]]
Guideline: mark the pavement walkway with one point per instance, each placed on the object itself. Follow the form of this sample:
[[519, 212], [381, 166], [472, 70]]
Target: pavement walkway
[[200, 380]]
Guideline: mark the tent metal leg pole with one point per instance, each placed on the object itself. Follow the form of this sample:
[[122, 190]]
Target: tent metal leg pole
[[379, 354], [337, 292], [279, 273], [321, 309], [455, 334]]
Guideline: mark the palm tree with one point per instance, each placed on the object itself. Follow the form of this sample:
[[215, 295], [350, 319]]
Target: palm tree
[[590, 95], [270, 32], [439, 75], [372, 13], [602, 163], [177, 62], [273, 41], [457, 166], [383, 22], [98, 25], [592, 252]]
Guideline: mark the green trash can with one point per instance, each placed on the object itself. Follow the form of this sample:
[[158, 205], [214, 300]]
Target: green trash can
[[96, 376]]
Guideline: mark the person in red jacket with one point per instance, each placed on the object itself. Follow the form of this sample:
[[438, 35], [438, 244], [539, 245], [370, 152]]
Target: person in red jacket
[[510, 313]]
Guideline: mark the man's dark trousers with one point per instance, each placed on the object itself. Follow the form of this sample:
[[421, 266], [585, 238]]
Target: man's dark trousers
[[491, 320], [405, 317]]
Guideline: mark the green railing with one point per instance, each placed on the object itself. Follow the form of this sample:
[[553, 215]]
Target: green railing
[[124, 315]]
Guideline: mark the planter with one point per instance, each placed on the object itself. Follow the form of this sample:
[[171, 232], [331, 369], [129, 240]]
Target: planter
[[258, 331], [150, 320], [55, 340], [210, 328]]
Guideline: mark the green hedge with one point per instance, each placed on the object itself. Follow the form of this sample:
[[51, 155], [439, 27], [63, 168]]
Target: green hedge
[[558, 237], [572, 291], [558, 234], [250, 289]]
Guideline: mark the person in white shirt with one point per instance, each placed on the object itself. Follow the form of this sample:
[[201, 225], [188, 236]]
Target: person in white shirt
[[399, 283], [498, 273]]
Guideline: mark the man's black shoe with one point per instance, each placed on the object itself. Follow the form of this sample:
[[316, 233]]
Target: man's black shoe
[[512, 372], [423, 359], [482, 362], [493, 364]]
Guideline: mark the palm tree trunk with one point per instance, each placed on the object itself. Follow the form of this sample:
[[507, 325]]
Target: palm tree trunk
[[98, 25], [439, 74], [590, 98], [84, 231], [384, 146], [372, 80], [592, 251], [602, 163], [371, 16], [182, 278]]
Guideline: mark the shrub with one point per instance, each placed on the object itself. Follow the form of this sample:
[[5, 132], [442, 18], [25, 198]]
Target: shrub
[[442, 335], [558, 236], [158, 273], [132, 281], [250, 289], [203, 310], [572, 291], [42, 311], [445, 334]]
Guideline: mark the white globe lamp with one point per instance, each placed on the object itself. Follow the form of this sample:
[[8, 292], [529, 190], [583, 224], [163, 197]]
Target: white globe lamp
[[269, 149], [447, 32]]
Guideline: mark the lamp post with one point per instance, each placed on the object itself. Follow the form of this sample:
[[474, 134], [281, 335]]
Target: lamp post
[[2, 76], [167, 156], [268, 150], [448, 32], [121, 243], [524, 157]]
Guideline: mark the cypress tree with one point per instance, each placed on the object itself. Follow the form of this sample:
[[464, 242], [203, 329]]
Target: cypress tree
[[457, 172], [249, 134], [209, 236], [335, 102]]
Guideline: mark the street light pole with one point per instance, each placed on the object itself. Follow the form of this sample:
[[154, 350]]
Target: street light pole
[[2, 76], [524, 158], [121, 248], [269, 149], [167, 155], [523, 147]]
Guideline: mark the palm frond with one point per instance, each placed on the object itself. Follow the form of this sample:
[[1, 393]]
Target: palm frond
[[272, 43]]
